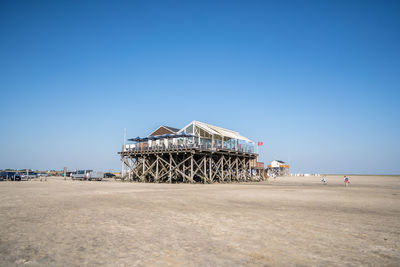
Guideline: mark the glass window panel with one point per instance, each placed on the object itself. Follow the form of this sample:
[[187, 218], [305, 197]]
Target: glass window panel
[[204, 133], [189, 129], [217, 137]]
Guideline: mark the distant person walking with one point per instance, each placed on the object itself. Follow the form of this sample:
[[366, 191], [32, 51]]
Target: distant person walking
[[346, 181]]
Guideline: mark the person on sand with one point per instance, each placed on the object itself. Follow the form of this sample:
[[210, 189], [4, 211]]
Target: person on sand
[[346, 181], [323, 180]]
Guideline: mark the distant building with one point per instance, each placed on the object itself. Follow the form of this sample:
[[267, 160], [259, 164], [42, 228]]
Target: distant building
[[278, 168]]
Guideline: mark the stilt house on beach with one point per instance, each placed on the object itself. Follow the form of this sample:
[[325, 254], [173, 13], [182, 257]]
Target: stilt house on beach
[[278, 168], [197, 153]]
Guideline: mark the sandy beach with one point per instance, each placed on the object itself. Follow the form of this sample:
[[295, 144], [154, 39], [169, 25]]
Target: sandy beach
[[283, 222]]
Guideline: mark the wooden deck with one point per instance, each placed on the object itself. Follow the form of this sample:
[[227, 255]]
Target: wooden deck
[[193, 150]]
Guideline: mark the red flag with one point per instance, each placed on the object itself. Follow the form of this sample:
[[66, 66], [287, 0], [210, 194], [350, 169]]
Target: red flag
[[259, 143]]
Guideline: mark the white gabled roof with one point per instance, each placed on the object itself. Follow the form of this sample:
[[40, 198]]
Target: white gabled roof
[[218, 130]]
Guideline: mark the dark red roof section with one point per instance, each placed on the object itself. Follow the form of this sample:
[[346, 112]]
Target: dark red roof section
[[164, 130], [175, 130]]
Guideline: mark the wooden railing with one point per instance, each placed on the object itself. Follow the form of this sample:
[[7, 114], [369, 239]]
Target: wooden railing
[[143, 147]]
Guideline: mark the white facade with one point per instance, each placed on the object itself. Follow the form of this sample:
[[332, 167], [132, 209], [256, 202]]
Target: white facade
[[277, 164]]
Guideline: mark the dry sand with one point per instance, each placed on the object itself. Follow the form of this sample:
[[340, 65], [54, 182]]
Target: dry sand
[[290, 221]]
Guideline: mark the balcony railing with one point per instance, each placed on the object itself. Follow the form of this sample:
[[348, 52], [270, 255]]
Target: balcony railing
[[144, 147]]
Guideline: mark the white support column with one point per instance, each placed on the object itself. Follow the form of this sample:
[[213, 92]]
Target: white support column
[[123, 168], [194, 131]]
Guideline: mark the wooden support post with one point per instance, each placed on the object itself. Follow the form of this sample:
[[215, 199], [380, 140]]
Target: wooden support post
[[237, 169], [249, 168], [191, 168], [210, 170], [230, 169], [143, 173], [170, 168], [205, 169], [222, 169], [157, 168]]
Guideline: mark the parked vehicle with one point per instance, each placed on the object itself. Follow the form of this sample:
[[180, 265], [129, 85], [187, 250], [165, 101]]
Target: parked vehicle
[[97, 176], [29, 175], [43, 174], [17, 177], [3, 176], [12, 176], [24, 176], [81, 175], [68, 174], [87, 175], [109, 175]]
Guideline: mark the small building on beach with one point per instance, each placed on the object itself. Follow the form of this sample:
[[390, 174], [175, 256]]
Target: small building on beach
[[278, 168]]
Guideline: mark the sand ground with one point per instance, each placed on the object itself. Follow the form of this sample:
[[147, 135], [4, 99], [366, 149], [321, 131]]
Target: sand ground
[[289, 221]]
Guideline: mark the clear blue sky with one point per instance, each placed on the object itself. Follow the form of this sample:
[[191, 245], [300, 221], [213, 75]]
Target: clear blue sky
[[317, 81]]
